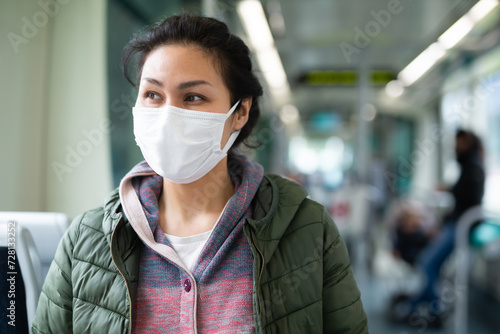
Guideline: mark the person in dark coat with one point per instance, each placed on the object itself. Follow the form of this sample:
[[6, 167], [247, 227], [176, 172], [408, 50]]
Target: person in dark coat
[[467, 193]]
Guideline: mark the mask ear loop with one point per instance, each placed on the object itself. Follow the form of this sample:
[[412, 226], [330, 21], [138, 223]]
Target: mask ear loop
[[234, 135], [230, 141], [233, 108]]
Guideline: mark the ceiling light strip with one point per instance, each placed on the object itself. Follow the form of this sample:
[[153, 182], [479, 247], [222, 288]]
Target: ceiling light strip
[[258, 31], [451, 37]]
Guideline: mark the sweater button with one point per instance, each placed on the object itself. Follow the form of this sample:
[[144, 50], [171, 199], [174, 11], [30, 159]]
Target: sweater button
[[187, 285]]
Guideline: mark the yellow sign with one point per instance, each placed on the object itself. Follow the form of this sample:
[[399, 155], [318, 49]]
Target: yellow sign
[[344, 77]]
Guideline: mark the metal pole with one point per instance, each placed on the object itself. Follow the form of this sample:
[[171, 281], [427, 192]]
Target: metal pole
[[362, 135], [362, 158], [462, 266]]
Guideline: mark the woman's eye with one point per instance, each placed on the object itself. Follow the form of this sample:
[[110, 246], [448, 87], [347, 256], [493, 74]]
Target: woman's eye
[[153, 96], [193, 98]]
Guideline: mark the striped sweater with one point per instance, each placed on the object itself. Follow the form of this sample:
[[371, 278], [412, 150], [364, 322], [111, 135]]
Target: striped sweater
[[217, 296]]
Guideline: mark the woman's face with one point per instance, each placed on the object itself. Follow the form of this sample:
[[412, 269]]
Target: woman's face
[[462, 144], [186, 77]]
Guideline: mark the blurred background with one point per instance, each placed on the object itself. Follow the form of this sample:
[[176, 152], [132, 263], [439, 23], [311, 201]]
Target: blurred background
[[362, 103]]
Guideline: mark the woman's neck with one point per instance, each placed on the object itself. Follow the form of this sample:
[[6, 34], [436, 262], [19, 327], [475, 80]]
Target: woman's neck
[[193, 208]]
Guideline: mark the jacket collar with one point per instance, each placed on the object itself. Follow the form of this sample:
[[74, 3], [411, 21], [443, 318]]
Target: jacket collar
[[275, 205]]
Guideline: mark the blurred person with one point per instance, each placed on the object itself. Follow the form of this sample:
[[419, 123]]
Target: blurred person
[[195, 239], [411, 234], [467, 193]]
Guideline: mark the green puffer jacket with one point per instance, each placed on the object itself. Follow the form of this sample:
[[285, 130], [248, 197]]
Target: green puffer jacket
[[303, 281]]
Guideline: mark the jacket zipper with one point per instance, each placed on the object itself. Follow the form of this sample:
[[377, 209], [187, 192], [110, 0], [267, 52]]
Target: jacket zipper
[[123, 276], [260, 275]]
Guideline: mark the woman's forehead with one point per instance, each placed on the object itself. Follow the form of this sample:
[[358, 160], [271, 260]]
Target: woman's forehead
[[183, 62]]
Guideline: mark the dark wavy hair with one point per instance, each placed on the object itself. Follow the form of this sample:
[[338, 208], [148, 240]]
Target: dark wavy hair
[[230, 53], [475, 143]]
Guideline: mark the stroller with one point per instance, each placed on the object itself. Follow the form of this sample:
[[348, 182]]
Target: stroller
[[411, 230], [412, 226]]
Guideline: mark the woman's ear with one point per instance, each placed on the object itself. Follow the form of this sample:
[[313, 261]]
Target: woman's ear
[[241, 115]]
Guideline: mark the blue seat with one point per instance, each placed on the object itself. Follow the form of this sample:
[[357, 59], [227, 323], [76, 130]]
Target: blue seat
[[484, 233]]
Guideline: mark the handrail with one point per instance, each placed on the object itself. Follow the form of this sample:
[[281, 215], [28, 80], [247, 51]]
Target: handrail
[[462, 250]]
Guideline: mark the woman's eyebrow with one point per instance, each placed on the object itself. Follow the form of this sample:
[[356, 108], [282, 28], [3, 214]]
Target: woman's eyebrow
[[189, 84], [153, 81]]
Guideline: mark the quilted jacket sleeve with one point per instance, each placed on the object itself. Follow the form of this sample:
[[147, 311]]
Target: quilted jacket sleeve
[[342, 308], [55, 307]]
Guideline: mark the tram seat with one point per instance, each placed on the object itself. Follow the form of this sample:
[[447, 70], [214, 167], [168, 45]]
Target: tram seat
[[22, 285], [36, 237], [47, 228]]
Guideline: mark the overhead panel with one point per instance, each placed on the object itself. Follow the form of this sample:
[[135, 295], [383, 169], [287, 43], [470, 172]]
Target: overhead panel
[[344, 77]]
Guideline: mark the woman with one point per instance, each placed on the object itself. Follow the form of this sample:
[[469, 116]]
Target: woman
[[467, 192], [195, 240]]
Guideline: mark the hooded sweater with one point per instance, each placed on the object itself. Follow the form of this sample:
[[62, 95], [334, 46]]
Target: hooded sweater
[[216, 297]]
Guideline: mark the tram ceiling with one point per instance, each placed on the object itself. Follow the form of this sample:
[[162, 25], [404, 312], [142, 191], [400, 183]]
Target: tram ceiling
[[334, 36], [338, 35]]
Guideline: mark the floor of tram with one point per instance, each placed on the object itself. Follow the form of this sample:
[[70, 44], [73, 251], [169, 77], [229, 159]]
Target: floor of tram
[[378, 285], [375, 298]]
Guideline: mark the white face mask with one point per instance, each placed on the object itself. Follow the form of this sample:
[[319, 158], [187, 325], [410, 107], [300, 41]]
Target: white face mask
[[179, 144]]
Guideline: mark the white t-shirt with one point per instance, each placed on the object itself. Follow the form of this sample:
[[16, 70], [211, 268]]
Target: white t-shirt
[[189, 248]]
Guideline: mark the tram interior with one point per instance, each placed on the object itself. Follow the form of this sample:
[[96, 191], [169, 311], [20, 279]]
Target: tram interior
[[362, 103]]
